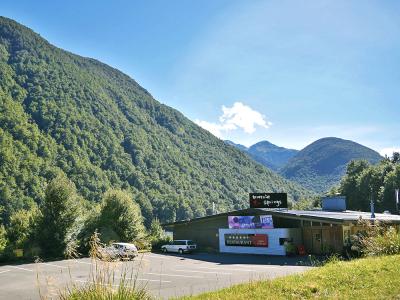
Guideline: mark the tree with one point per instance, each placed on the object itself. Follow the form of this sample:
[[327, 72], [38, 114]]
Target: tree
[[22, 227], [61, 217], [156, 231], [120, 217]]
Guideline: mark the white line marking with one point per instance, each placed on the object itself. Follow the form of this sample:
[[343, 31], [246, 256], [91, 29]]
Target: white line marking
[[4, 271], [82, 262], [158, 256], [173, 275], [53, 265], [19, 268], [135, 279], [205, 272], [229, 269]]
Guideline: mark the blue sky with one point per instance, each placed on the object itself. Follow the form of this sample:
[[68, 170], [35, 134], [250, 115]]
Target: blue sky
[[285, 71]]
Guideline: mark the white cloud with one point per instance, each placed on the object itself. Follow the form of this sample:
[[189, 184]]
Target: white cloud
[[389, 151], [239, 116]]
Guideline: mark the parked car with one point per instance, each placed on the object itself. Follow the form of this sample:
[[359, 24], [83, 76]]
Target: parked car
[[179, 246], [116, 251]]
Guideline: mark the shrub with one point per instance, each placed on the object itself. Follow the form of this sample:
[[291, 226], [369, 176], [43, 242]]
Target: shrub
[[376, 239]]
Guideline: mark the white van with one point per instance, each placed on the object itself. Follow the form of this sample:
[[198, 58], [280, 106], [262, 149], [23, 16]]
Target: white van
[[179, 246]]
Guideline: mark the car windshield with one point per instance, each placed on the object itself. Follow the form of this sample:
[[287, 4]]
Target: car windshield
[[190, 242]]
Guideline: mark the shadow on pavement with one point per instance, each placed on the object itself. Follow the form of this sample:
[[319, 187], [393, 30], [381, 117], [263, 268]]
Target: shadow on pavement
[[229, 259]]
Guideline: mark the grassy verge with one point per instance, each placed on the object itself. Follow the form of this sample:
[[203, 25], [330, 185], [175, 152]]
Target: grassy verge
[[367, 278]]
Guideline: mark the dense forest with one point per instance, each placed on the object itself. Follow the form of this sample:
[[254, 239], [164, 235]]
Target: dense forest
[[364, 180], [322, 164], [64, 114]]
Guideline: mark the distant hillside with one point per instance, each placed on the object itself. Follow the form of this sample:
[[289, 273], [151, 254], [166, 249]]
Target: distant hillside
[[320, 165], [267, 154], [239, 146], [60, 112], [270, 155]]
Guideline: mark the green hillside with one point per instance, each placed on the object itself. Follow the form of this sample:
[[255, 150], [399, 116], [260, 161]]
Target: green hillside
[[60, 112], [321, 164]]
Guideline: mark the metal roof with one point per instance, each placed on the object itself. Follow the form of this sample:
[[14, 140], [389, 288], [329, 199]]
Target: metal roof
[[347, 216]]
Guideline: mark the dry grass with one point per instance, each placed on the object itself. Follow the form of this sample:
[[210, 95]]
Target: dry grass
[[105, 282]]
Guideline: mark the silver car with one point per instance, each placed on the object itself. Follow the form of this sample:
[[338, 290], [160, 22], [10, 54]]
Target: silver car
[[123, 251]]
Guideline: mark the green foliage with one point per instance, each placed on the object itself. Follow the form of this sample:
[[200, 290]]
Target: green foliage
[[375, 239], [62, 113], [22, 227], [307, 203], [3, 240], [321, 164], [61, 217], [363, 180], [120, 218]]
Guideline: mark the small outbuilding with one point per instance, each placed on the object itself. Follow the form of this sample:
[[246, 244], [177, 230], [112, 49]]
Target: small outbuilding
[[267, 231]]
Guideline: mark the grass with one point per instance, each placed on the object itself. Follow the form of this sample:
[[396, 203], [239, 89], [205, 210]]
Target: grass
[[366, 278]]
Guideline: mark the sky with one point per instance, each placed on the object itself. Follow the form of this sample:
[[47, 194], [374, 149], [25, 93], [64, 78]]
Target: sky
[[289, 72]]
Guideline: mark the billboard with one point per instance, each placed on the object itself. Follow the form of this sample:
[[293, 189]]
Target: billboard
[[268, 200], [250, 222], [246, 240]]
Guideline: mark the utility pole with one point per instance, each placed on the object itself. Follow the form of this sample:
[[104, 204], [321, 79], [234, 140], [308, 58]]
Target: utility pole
[[372, 206], [396, 195]]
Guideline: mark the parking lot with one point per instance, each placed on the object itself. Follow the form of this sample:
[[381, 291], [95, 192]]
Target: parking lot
[[164, 276]]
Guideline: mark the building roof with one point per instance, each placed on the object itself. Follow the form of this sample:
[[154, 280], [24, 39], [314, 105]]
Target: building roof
[[340, 217]]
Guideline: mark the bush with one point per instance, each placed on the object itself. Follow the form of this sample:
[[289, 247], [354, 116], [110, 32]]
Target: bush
[[376, 239], [3, 241]]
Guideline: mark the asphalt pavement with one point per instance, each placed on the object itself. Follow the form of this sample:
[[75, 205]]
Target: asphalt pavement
[[163, 275]]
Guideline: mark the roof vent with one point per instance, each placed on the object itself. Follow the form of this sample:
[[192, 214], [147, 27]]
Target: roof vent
[[334, 203]]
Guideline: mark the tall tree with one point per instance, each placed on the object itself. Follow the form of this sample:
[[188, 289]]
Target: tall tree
[[120, 217], [61, 217]]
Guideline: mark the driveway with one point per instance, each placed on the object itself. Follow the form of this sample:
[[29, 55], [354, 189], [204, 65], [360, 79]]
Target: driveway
[[164, 276]]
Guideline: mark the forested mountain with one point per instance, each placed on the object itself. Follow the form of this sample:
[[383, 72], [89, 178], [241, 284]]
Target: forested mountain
[[62, 113], [320, 165], [267, 154]]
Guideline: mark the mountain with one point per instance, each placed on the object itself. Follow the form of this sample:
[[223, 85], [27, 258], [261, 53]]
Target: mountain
[[62, 113], [320, 165], [267, 154], [239, 146], [270, 155]]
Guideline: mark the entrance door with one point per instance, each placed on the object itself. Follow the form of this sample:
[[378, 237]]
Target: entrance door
[[317, 241]]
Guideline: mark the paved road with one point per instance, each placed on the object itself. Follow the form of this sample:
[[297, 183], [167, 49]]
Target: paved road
[[164, 276]]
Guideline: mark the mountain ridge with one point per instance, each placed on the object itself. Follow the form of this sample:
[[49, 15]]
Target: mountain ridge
[[60, 112]]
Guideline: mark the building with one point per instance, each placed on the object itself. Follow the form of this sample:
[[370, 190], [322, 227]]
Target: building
[[265, 231]]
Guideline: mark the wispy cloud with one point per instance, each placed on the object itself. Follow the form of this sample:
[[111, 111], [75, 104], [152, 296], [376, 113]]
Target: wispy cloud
[[238, 116], [389, 151]]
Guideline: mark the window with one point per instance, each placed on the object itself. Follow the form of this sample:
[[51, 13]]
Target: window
[[283, 240]]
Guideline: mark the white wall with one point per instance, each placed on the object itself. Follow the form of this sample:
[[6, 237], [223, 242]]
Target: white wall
[[273, 240]]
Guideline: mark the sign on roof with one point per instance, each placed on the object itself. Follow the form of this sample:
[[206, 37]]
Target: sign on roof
[[268, 200], [250, 222]]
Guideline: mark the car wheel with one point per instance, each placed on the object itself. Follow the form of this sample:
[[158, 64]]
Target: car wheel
[[164, 250], [180, 251]]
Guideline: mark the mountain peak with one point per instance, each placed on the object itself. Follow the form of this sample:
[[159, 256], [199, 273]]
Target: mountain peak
[[321, 164]]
